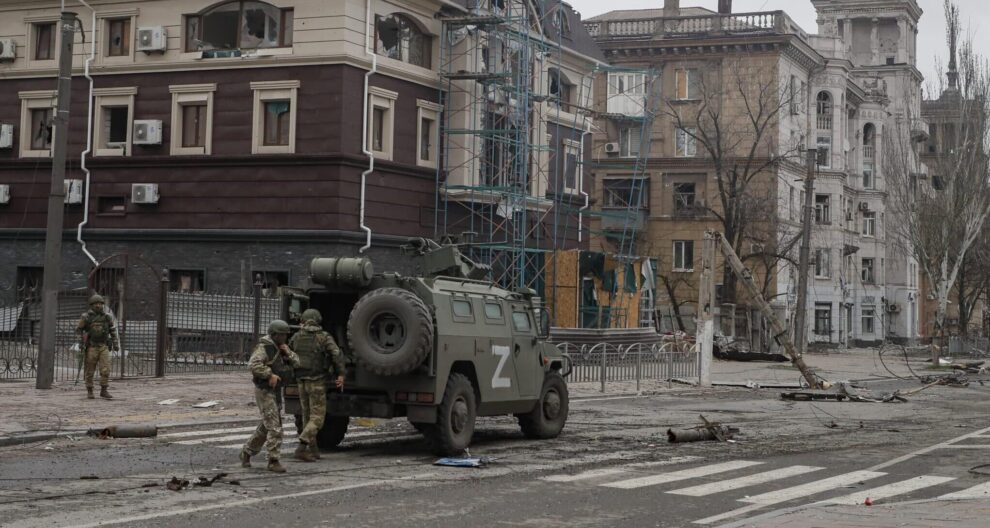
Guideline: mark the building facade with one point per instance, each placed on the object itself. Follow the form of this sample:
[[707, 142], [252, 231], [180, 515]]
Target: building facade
[[239, 139], [837, 92]]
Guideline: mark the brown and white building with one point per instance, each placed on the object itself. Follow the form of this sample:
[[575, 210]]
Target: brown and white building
[[229, 138]]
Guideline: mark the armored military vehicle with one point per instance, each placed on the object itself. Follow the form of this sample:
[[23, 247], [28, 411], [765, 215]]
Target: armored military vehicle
[[439, 349]]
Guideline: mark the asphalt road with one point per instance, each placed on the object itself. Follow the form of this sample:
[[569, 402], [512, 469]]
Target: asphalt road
[[612, 467]]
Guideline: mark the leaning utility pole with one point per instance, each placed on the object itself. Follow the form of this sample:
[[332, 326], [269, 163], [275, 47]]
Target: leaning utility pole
[[801, 312], [56, 200]]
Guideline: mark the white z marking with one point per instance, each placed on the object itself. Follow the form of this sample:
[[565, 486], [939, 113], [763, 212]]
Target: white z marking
[[499, 381]]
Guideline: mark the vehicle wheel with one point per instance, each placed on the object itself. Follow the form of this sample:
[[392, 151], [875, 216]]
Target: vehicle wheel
[[452, 433], [390, 331], [332, 434], [299, 424], [547, 419]]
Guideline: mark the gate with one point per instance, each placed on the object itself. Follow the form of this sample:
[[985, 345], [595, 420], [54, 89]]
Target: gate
[[132, 289]]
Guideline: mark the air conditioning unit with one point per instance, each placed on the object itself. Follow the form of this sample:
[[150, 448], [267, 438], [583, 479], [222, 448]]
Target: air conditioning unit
[[147, 132], [864, 206], [144, 193], [894, 308], [152, 39], [73, 191], [8, 50], [4, 194], [611, 148], [6, 136]]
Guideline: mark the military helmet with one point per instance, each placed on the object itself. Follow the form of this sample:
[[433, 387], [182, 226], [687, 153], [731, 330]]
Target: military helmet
[[278, 326], [96, 298], [312, 314]]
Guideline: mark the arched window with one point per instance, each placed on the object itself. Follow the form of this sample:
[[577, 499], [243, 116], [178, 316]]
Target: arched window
[[824, 111], [869, 137], [241, 25], [560, 87], [397, 37]]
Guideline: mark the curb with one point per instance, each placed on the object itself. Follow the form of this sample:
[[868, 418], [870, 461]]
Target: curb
[[34, 437]]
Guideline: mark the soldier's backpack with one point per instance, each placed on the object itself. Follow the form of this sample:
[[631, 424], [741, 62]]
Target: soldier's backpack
[[308, 346]]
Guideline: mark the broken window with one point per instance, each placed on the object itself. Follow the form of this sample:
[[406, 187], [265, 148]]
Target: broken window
[[115, 126], [271, 281], [119, 37], [684, 196], [277, 120], [399, 38], [867, 271], [239, 25], [625, 193], [559, 87], [41, 128]]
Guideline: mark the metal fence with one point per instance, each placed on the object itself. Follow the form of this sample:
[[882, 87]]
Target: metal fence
[[20, 328], [214, 332], [605, 362]]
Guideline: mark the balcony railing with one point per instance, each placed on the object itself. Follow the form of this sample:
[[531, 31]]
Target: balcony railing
[[765, 22]]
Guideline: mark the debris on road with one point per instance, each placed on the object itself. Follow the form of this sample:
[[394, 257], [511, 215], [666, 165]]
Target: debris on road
[[207, 404], [857, 394], [750, 384], [204, 482], [813, 395], [177, 485], [468, 462], [125, 431], [172, 401], [955, 379], [705, 432], [89, 477]]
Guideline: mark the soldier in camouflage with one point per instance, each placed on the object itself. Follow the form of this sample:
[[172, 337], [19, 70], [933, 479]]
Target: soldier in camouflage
[[319, 357], [269, 363], [98, 336]]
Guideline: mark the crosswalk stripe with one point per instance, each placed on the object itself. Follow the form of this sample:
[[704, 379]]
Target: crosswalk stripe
[[890, 490], [978, 491], [685, 474], [285, 445], [742, 482], [811, 488], [584, 475], [967, 446], [190, 434]]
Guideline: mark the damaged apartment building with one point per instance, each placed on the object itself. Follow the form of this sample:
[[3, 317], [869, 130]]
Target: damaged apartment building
[[235, 140], [840, 91]]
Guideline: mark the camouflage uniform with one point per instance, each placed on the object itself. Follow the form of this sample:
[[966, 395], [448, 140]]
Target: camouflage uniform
[[98, 335], [266, 360], [315, 347]]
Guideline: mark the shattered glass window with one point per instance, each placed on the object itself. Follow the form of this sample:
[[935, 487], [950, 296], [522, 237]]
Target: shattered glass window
[[397, 37], [260, 25], [239, 25]]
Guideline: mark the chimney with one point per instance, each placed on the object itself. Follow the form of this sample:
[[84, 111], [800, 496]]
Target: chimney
[[671, 8], [725, 7]]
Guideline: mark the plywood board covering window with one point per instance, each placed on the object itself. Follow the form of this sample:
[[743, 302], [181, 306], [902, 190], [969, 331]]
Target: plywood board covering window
[[118, 37]]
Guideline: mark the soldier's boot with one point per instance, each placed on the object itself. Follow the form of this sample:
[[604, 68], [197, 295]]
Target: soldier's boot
[[275, 467], [245, 459], [89, 393], [315, 449], [303, 453], [105, 394]]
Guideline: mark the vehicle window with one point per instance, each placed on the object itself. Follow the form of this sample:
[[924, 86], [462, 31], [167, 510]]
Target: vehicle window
[[521, 321], [493, 311], [462, 308]]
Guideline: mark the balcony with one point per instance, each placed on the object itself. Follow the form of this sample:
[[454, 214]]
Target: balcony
[[765, 23], [618, 220]]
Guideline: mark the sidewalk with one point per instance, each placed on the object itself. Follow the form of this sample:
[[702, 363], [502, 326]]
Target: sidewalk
[[65, 407]]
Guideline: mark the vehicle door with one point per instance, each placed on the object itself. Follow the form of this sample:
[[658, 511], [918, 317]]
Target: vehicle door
[[529, 373], [496, 350]]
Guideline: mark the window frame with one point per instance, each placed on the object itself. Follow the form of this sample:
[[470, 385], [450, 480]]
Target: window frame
[[110, 98], [682, 205], [430, 111], [629, 186], [686, 78], [870, 224], [684, 246], [456, 300], [823, 161], [823, 210], [685, 145], [173, 274], [823, 262], [822, 308], [576, 148], [385, 100], [30, 101], [104, 22], [824, 111], [868, 274], [872, 318], [33, 25], [188, 36], [625, 145], [412, 22], [501, 311], [515, 322], [183, 94], [267, 91]]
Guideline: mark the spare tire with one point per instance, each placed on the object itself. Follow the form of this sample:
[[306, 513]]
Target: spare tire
[[390, 331]]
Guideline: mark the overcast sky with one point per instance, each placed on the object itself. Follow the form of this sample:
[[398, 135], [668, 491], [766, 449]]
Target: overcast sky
[[931, 37]]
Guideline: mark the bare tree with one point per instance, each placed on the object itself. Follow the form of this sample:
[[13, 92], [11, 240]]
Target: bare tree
[[732, 121], [942, 220]]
